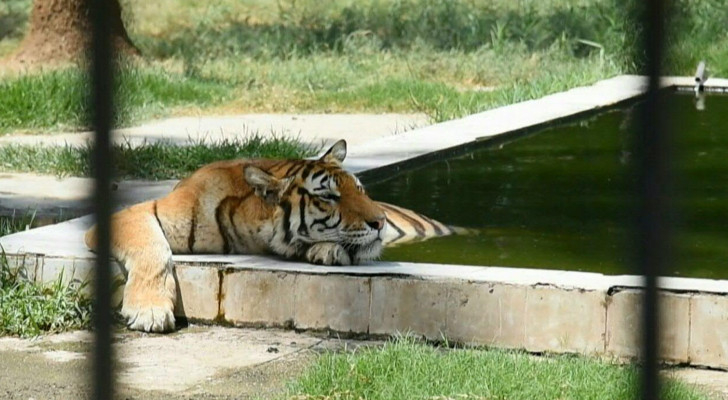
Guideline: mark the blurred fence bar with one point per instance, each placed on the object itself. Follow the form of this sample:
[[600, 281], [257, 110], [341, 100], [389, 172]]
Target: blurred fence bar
[[652, 149], [101, 101]]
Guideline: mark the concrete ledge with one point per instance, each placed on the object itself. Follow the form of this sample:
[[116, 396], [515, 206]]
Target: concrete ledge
[[564, 320], [536, 310], [624, 319], [708, 331], [408, 305], [492, 314]]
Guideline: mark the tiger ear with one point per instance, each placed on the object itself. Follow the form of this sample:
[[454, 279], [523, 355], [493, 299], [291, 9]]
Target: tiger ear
[[267, 186], [336, 154]]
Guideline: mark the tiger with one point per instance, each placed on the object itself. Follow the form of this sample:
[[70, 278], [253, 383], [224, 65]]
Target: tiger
[[309, 210]]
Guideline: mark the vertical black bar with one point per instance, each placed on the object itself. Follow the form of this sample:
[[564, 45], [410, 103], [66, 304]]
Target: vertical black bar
[[652, 148], [102, 113]]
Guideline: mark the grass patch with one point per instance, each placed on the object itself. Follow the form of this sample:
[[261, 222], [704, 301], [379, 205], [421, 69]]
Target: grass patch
[[16, 223], [442, 57], [57, 99], [150, 160], [405, 369], [29, 309]]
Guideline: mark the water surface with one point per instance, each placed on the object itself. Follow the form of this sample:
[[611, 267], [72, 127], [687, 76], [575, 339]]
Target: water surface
[[563, 198]]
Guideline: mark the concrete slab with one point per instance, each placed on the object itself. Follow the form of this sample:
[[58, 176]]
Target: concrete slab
[[709, 331], [335, 303], [198, 292], [624, 316], [258, 298], [183, 360], [55, 197], [398, 305], [565, 321], [713, 382], [191, 363], [488, 314], [309, 128]]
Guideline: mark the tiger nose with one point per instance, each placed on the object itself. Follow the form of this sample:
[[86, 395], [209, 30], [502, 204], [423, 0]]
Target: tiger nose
[[377, 224]]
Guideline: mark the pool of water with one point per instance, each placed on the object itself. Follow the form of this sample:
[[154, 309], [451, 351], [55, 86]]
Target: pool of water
[[562, 198]]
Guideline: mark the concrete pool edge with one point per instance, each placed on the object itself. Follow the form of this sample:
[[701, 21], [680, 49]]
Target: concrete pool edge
[[534, 310], [391, 155], [537, 310]]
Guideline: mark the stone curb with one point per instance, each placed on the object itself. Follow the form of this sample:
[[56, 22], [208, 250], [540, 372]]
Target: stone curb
[[548, 315]]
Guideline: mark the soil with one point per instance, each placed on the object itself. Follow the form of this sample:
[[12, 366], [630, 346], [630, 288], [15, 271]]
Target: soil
[[58, 34]]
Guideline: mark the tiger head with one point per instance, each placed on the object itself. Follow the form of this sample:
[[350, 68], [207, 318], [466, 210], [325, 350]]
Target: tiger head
[[317, 201]]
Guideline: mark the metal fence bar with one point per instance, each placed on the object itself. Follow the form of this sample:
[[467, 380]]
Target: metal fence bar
[[101, 98], [652, 149]]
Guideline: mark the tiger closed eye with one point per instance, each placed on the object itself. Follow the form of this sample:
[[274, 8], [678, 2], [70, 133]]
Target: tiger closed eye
[[330, 197]]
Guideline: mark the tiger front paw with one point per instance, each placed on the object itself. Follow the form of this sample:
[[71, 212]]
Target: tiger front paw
[[148, 310], [328, 253], [149, 318]]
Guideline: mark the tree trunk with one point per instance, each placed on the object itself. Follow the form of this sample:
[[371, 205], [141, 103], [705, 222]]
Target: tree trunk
[[60, 32]]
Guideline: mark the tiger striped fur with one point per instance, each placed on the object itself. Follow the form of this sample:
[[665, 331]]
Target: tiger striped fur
[[308, 210], [405, 226]]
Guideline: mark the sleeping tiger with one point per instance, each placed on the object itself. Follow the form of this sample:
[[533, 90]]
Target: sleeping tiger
[[309, 210]]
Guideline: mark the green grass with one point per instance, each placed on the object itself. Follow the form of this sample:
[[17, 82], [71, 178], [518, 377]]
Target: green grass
[[150, 160], [405, 369], [28, 309], [56, 99], [441, 57], [21, 221], [16, 223]]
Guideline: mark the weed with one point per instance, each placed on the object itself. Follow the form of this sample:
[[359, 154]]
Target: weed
[[16, 223], [30, 309]]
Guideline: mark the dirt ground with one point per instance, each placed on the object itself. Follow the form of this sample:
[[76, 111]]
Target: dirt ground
[[194, 363]]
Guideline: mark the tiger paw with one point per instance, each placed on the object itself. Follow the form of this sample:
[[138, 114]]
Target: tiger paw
[[328, 253], [153, 317]]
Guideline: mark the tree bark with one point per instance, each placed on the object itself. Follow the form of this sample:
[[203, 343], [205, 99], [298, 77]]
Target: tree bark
[[60, 32]]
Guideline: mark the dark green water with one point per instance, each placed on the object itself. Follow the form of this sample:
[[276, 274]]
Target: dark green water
[[562, 198]]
